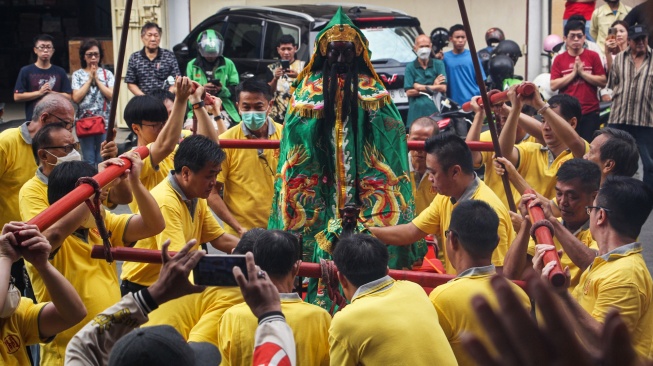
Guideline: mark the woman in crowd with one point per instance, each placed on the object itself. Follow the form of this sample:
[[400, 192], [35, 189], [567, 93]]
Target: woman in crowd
[[617, 44], [92, 91]]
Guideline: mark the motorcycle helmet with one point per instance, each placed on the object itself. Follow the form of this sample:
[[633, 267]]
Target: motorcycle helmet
[[439, 38], [543, 83], [550, 42], [494, 35], [508, 48], [210, 43], [501, 68]]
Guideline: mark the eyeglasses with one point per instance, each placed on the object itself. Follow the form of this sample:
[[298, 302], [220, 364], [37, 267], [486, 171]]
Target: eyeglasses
[[66, 148], [156, 126], [575, 35], [265, 161], [45, 48], [590, 208], [92, 54], [67, 124]]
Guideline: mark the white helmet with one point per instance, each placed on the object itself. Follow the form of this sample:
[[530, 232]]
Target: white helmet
[[543, 83]]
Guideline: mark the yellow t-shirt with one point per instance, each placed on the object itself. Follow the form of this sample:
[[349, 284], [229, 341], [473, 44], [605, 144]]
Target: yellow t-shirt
[[19, 330], [17, 166], [539, 168], [309, 324], [248, 179], [152, 175], [491, 178], [621, 280], [196, 316], [453, 302], [422, 191], [435, 220], [583, 234], [33, 198], [389, 323], [181, 227], [95, 280]]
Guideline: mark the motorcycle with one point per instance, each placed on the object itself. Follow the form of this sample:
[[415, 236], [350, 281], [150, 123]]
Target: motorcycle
[[451, 118]]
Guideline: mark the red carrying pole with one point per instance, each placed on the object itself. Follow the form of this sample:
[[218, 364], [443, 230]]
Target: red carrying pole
[[274, 144], [526, 89], [544, 236], [80, 194], [311, 270]]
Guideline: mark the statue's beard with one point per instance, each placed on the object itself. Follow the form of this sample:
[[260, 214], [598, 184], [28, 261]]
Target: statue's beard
[[350, 89]]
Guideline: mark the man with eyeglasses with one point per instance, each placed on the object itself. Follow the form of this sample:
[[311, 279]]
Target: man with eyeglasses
[[579, 72], [577, 184], [247, 176], [41, 78], [17, 164], [618, 278], [152, 67]]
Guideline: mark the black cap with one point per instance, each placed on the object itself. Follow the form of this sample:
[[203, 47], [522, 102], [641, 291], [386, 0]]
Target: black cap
[[637, 31]]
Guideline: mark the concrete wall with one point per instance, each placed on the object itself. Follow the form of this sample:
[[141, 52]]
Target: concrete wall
[[483, 14], [558, 8]]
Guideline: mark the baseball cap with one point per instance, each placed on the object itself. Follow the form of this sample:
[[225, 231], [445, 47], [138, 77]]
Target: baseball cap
[[161, 345], [637, 31]]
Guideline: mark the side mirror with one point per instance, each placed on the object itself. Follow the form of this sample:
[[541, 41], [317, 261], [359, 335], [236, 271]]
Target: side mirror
[[181, 50]]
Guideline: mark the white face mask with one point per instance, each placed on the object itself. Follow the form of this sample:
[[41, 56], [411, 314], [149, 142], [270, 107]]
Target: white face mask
[[424, 53], [11, 302], [73, 156]]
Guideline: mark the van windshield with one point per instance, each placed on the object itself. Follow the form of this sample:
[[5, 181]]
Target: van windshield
[[391, 43]]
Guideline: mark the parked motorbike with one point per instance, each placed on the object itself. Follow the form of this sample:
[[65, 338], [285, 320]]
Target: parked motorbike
[[451, 118]]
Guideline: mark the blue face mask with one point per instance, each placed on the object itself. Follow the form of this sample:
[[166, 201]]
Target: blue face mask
[[254, 120]]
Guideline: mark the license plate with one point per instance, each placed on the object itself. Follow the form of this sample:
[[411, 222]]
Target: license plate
[[398, 96]]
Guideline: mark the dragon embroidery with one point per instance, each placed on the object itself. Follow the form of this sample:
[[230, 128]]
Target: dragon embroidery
[[296, 191], [382, 194]]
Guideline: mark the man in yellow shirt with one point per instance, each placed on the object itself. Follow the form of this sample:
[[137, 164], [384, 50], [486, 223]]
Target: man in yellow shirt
[[538, 164], [388, 322], [247, 176], [451, 172], [17, 163], [181, 199], [470, 242], [420, 130], [24, 323], [73, 236], [486, 158], [577, 185], [614, 151], [196, 317], [618, 278], [277, 253]]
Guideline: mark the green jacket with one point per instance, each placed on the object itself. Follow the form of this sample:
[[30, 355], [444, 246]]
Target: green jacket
[[228, 76]]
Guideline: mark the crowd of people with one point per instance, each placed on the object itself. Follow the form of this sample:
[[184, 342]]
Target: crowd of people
[[342, 190]]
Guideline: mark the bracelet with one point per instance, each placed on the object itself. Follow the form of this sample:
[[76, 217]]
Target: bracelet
[[198, 105], [215, 118], [543, 109]]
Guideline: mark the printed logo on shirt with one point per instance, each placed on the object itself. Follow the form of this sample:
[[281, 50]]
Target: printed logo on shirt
[[105, 322], [52, 80], [270, 354], [586, 288], [12, 343]]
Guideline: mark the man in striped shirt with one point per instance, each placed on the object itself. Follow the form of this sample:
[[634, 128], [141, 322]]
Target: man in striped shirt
[[631, 79]]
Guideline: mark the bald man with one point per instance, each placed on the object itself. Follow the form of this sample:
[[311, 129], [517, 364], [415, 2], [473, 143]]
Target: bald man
[[424, 77]]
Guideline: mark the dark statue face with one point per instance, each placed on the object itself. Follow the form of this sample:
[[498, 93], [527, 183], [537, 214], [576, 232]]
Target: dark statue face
[[341, 54]]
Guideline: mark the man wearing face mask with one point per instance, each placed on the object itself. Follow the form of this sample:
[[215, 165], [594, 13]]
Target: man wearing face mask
[[247, 176], [424, 77], [343, 143]]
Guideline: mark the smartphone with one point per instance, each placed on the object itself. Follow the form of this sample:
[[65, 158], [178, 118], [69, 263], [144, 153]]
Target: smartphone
[[216, 82], [216, 269], [285, 64], [612, 33]]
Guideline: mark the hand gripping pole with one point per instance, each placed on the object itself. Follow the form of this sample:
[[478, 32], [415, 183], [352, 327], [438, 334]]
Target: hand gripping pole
[[542, 231], [526, 89]]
